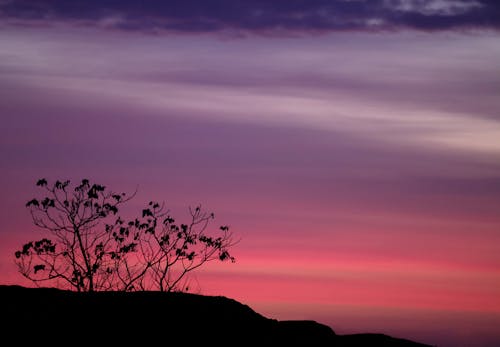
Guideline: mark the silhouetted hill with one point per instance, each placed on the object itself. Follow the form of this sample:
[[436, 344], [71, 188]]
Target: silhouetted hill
[[54, 317]]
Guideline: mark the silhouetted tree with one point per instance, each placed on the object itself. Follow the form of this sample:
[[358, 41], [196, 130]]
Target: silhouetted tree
[[168, 250], [92, 248]]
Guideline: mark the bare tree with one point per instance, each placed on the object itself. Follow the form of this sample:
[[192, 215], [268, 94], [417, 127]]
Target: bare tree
[[169, 251], [93, 249]]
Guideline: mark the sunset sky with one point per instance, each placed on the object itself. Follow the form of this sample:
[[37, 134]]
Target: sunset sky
[[353, 146]]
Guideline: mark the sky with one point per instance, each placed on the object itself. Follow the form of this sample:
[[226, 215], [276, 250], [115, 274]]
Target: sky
[[352, 146]]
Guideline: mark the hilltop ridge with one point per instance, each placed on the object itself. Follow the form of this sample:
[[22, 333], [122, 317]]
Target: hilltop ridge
[[58, 317]]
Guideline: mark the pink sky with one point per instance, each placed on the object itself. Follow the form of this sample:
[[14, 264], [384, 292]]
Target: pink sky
[[361, 170]]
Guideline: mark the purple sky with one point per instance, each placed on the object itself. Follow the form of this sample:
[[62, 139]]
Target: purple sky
[[354, 146]]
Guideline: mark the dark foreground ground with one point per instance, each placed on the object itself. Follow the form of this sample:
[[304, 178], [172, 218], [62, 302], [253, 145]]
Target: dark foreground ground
[[50, 317]]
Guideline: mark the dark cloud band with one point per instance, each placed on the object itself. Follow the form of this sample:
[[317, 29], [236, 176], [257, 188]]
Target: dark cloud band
[[261, 15]]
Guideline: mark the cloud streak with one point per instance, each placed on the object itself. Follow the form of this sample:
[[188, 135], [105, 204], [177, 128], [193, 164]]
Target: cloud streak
[[426, 102], [260, 16]]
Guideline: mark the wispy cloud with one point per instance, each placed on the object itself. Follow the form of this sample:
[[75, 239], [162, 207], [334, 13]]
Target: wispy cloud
[[259, 15], [444, 99], [434, 7]]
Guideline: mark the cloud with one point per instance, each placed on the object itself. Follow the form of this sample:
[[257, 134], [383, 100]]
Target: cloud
[[433, 92], [434, 7], [259, 15]]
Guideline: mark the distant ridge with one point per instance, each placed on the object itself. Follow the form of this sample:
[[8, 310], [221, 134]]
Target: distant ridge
[[53, 317]]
